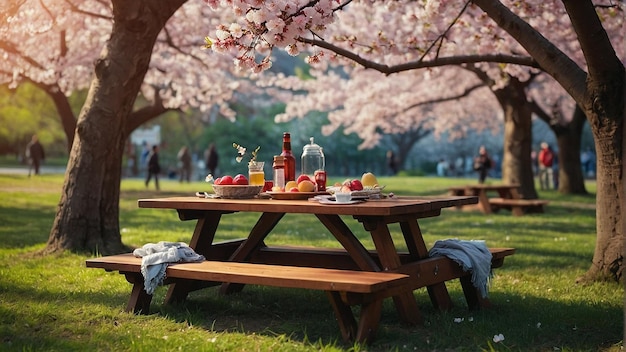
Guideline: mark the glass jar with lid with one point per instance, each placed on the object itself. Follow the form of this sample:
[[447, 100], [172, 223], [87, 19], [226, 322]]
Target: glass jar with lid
[[312, 159]]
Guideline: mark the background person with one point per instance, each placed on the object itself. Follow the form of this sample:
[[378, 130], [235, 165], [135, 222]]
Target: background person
[[154, 168], [482, 164], [392, 163], [184, 161], [546, 159], [35, 154], [212, 159]]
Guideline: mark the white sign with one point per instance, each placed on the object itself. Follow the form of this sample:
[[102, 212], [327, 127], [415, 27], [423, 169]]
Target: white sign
[[151, 136]]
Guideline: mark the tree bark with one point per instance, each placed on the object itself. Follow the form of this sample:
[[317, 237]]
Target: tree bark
[[568, 138], [516, 161], [600, 94], [87, 217]]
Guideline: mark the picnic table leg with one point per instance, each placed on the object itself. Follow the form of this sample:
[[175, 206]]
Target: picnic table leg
[[201, 241], [263, 226], [483, 201], [405, 302], [438, 293], [348, 240], [204, 232]]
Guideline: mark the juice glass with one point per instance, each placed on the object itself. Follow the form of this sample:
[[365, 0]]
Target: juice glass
[[256, 176]]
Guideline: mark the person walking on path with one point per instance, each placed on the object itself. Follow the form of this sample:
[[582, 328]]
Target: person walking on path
[[184, 161], [546, 159], [35, 154], [482, 164], [212, 159], [154, 168], [392, 163]]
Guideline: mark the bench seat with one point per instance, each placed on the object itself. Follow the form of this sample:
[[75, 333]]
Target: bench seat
[[518, 206], [344, 287]]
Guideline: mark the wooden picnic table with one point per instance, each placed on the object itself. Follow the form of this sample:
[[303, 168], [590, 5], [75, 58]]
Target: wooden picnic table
[[508, 197], [483, 192], [407, 270]]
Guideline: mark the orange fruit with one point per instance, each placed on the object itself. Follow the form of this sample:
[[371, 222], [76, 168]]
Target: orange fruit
[[306, 186]]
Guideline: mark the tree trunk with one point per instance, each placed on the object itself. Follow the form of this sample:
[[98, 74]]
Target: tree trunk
[[87, 216], [516, 161], [571, 178], [600, 93], [568, 136], [605, 110]]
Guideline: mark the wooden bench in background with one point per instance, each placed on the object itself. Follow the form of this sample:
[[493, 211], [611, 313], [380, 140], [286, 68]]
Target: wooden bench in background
[[344, 287], [518, 207]]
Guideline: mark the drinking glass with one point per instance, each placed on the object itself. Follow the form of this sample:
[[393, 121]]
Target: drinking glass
[[256, 176]]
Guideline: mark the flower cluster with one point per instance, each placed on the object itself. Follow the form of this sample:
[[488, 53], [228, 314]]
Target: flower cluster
[[241, 151]]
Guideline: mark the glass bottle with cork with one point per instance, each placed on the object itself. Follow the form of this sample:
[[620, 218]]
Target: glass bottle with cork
[[289, 159]]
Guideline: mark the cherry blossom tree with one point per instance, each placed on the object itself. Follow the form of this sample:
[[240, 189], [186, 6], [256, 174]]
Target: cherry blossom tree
[[138, 46], [567, 40]]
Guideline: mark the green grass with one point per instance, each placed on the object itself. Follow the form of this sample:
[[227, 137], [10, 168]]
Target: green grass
[[54, 303]]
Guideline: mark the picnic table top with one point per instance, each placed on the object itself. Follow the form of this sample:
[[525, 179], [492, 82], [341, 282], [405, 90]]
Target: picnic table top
[[398, 205]]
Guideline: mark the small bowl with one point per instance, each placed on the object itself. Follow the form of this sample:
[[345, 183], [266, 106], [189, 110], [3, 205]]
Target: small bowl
[[237, 191], [343, 197]]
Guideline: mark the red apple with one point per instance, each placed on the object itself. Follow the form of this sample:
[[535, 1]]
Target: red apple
[[302, 178], [240, 179], [217, 181], [226, 180], [294, 189], [356, 185]]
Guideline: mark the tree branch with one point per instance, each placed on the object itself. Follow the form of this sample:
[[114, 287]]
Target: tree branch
[[76, 9], [444, 61], [465, 93]]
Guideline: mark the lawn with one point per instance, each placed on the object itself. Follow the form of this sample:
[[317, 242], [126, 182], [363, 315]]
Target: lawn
[[54, 303]]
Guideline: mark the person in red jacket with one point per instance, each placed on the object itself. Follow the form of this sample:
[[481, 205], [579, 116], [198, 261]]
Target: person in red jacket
[[546, 159]]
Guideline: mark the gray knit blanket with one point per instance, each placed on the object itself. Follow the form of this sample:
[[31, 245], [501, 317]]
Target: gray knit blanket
[[156, 256], [473, 256]]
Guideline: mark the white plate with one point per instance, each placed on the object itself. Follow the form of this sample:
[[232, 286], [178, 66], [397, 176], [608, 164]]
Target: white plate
[[334, 202], [365, 192]]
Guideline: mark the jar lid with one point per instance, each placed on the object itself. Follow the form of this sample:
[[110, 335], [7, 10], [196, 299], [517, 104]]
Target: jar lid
[[312, 148]]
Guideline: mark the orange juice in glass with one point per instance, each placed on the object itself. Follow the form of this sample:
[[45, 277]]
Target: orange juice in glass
[[256, 176]]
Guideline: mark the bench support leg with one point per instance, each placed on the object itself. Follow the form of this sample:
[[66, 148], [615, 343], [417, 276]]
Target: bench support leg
[[368, 321], [474, 299], [517, 210], [365, 330], [139, 301], [343, 313]]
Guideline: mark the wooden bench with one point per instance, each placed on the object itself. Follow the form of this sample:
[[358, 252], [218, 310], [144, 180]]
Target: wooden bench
[[518, 206], [344, 288]]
